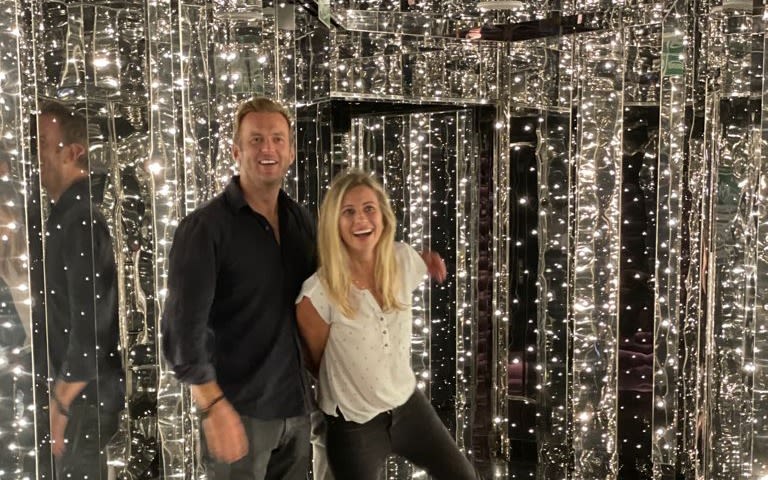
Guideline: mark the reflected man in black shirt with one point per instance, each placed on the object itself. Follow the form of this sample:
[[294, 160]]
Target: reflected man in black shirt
[[229, 327], [81, 302]]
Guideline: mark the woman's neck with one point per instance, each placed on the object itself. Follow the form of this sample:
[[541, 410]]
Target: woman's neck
[[362, 268]]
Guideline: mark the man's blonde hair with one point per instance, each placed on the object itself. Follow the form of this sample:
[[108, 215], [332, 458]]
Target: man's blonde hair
[[259, 105], [333, 256]]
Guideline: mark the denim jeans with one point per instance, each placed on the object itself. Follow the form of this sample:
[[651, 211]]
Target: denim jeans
[[414, 431], [277, 450]]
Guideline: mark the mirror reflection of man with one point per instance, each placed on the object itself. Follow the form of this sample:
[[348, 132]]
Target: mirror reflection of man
[[87, 392]]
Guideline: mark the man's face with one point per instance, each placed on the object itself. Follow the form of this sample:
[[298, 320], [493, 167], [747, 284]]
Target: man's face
[[52, 152], [264, 151]]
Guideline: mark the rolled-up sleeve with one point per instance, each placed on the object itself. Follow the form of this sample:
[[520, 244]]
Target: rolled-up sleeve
[[191, 285]]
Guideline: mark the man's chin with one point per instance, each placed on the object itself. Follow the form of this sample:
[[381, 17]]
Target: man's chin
[[270, 181]]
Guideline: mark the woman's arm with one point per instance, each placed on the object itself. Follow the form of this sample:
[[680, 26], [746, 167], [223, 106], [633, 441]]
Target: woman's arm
[[314, 331]]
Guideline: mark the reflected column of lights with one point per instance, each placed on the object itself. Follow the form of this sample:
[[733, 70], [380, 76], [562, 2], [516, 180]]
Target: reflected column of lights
[[73, 76], [554, 309], [282, 30], [467, 260], [556, 204], [416, 226], [175, 427], [19, 430], [691, 398], [492, 60], [731, 319], [668, 298], [370, 148], [196, 106], [694, 447], [693, 327], [756, 366], [500, 298], [312, 58], [597, 244], [760, 377], [415, 140], [319, 157], [106, 61]]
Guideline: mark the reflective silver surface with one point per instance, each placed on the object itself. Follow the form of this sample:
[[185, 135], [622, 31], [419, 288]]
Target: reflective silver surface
[[159, 81]]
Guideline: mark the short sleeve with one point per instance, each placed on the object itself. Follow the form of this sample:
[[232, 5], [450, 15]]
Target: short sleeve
[[314, 290], [413, 267]]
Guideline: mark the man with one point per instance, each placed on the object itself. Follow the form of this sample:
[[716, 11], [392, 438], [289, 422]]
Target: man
[[87, 393], [229, 328]]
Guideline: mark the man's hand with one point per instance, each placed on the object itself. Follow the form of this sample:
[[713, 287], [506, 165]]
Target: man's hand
[[475, 33], [62, 396], [224, 433], [435, 265], [58, 427]]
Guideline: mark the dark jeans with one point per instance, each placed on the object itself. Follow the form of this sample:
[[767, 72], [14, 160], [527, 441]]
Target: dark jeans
[[277, 450], [320, 468], [88, 432], [414, 431]]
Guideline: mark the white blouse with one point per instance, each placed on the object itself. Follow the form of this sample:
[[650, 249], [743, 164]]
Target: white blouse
[[366, 366]]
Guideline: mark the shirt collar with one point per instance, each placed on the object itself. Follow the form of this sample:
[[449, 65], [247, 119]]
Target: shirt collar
[[236, 200], [77, 192]]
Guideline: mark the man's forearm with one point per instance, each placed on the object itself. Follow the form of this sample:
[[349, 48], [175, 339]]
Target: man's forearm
[[66, 392], [205, 393]]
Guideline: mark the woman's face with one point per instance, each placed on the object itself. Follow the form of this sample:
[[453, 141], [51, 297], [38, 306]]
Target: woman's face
[[360, 221]]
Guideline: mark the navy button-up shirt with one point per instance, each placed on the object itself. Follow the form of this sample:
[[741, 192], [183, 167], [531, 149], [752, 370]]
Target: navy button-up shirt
[[230, 315]]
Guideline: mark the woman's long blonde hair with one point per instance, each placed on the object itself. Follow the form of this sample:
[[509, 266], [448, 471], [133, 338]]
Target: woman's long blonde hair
[[334, 260]]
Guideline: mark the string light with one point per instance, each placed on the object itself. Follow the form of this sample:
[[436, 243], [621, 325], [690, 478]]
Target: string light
[[184, 97]]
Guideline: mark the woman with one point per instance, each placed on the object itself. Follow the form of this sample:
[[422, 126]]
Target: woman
[[355, 317]]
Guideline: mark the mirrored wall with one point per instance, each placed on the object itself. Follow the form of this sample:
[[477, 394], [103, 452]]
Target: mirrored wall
[[592, 172]]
